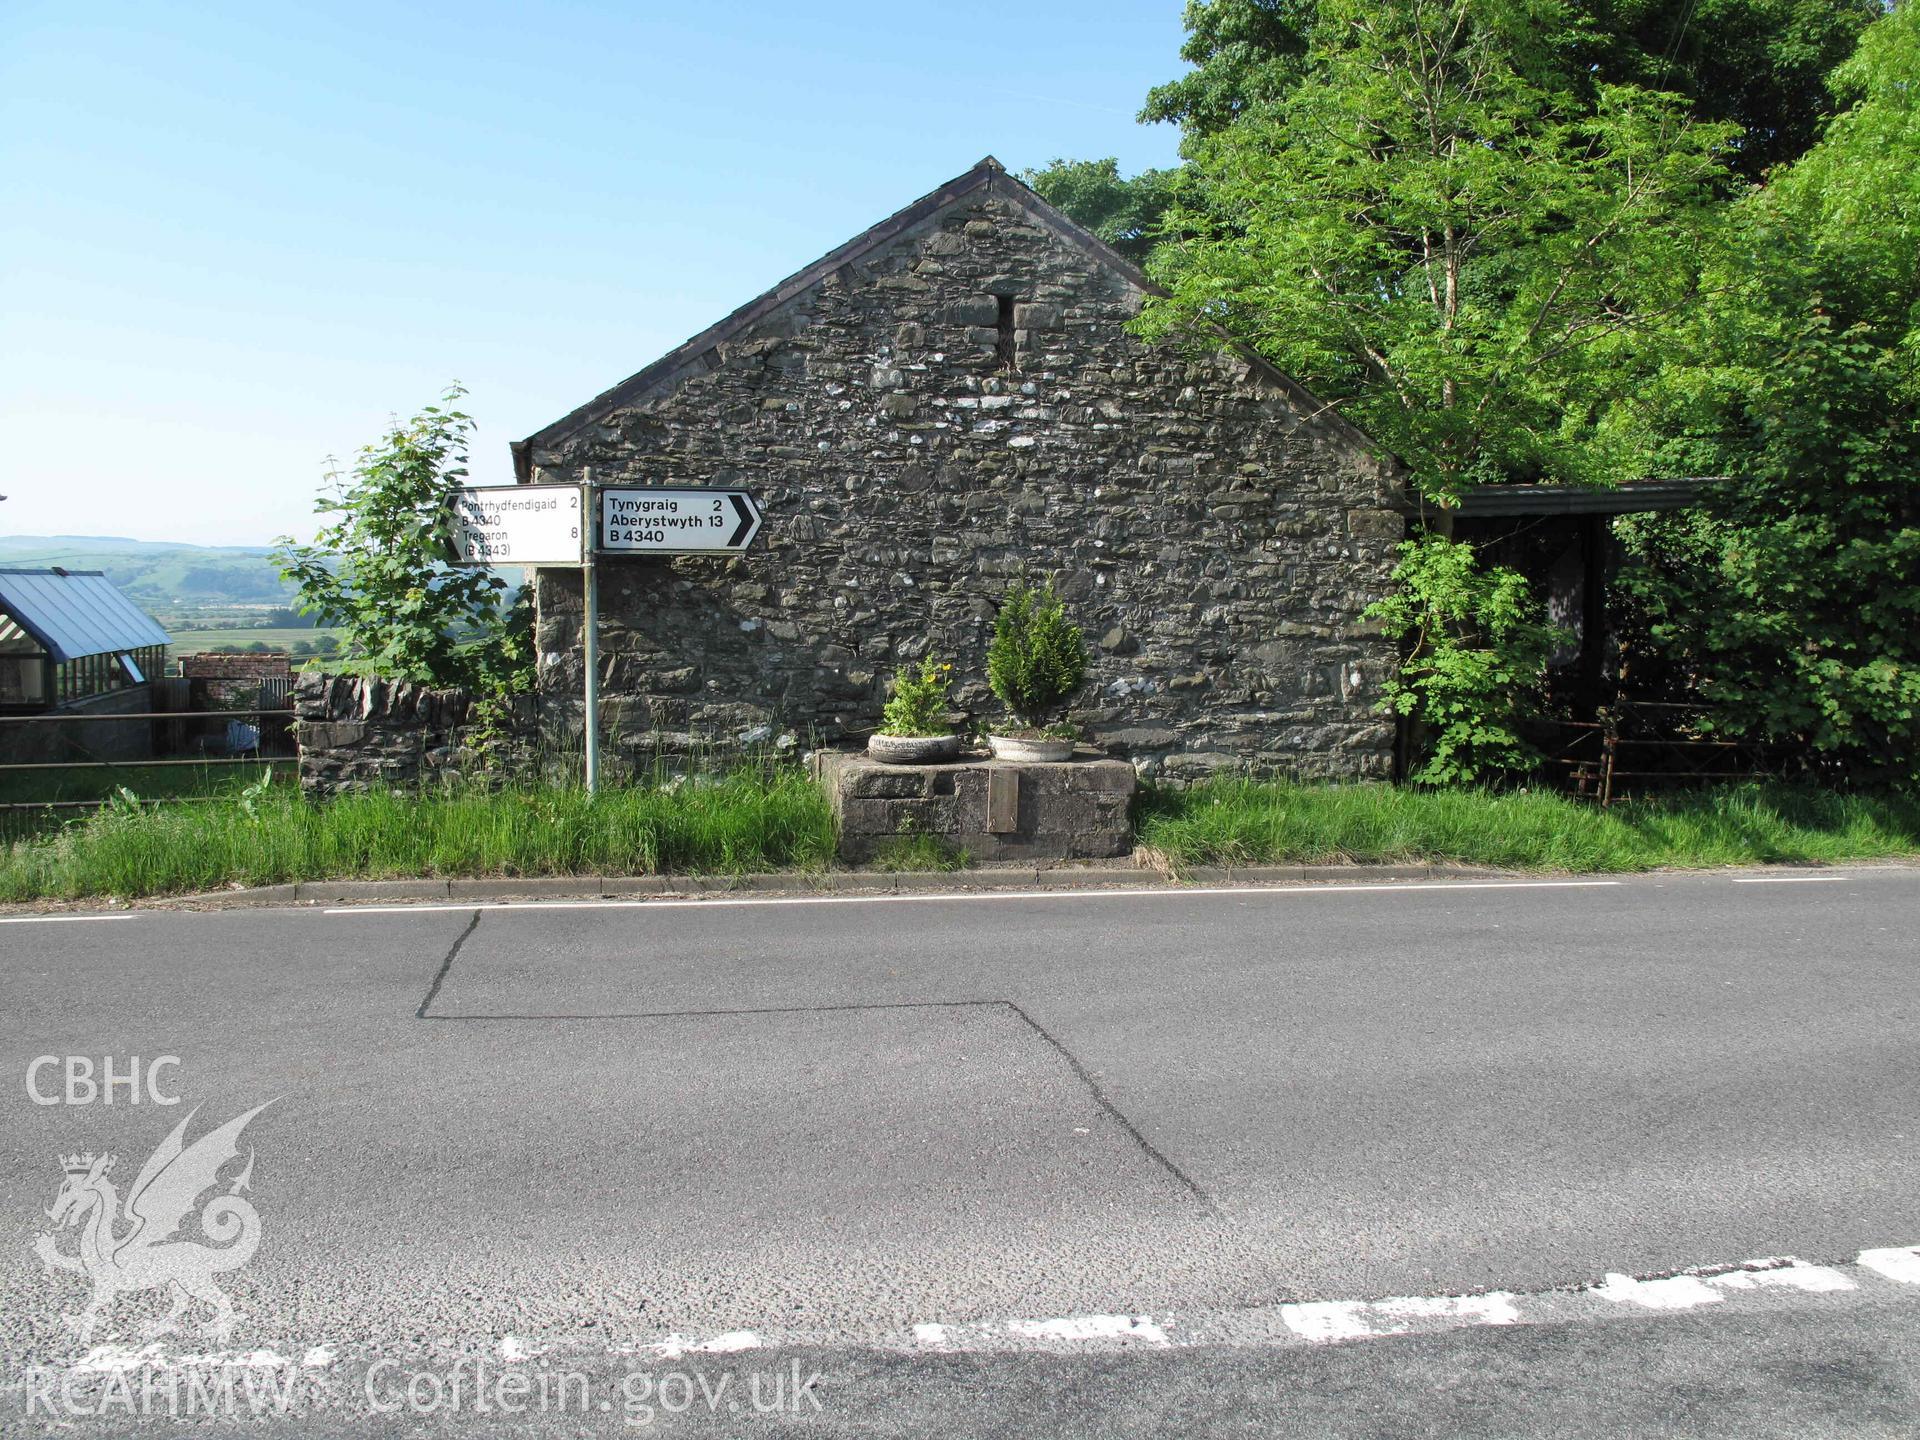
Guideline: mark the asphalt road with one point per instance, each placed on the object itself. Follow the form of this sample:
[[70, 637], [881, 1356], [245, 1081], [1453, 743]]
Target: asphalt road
[[1079, 1164]]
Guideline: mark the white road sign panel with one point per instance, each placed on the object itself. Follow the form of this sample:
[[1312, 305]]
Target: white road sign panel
[[518, 525], [655, 520]]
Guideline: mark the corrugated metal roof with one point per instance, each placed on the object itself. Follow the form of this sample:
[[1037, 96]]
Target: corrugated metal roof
[[76, 612], [1631, 497]]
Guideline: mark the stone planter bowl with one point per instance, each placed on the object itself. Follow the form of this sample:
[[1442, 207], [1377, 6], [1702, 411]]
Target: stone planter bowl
[[1030, 752], [913, 749]]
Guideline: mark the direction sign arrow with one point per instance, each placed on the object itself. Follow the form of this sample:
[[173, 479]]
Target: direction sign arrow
[[676, 520], [749, 515]]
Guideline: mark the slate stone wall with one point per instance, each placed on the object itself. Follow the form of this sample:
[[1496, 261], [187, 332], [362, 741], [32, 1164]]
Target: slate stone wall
[[360, 734], [1216, 541]]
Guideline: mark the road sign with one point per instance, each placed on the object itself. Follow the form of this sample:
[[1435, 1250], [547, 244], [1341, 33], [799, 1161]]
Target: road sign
[[518, 525], [655, 520]]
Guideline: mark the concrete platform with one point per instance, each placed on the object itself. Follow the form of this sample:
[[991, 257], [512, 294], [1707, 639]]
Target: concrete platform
[[995, 810]]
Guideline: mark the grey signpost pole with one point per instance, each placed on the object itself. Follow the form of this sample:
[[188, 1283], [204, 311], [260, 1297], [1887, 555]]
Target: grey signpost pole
[[651, 520], [532, 526], [590, 645]]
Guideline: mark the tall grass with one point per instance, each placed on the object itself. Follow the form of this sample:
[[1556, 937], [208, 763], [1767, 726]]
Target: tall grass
[[749, 820], [1245, 822]]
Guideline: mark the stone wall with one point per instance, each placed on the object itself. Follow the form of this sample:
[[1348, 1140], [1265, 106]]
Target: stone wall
[[1216, 538], [358, 734]]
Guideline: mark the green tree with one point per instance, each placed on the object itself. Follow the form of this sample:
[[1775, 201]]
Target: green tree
[[1126, 213], [1245, 54], [1794, 596], [378, 569], [1759, 64], [1438, 233]]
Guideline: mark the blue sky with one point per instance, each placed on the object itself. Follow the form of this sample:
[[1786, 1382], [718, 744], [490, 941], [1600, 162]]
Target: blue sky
[[234, 239]]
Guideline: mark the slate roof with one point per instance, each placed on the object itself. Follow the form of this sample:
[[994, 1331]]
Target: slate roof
[[72, 613], [989, 175]]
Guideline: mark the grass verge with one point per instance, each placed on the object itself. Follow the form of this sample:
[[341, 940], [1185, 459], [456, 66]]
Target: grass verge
[[908, 853], [1245, 822], [727, 825]]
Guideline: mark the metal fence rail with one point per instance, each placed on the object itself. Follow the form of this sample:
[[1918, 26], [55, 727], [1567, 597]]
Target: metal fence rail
[[1641, 745], [270, 727], [68, 717]]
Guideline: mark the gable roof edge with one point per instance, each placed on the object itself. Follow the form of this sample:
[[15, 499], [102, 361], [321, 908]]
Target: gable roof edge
[[992, 176]]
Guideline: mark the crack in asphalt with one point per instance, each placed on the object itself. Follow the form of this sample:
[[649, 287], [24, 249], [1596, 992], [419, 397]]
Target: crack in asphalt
[[1101, 1098], [440, 977], [1080, 1071]]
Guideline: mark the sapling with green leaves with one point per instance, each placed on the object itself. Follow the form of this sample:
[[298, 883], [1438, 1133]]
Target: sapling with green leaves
[[1476, 658], [379, 571]]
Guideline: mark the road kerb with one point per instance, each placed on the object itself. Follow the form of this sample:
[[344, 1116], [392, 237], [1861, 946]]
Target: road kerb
[[1092, 876]]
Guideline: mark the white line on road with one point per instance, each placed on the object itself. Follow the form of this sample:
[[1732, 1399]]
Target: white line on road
[[1901, 1263], [56, 919], [1775, 1279], [1332, 888], [1785, 879], [1672, 1292], [1749, 1286], [1814, 1279], [1323, 1321]]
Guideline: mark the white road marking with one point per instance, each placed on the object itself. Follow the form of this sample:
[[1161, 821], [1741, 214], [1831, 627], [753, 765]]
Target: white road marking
[[1325, 1321], [1901, 1263], [1493, 1308], [732, 1342], [1813, 1279], [1330, 888], [57, 919], [1675, 1292], [1785, 879], [1755, 1283]]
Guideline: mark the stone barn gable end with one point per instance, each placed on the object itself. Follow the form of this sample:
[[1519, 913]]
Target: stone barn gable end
[[949, 401]]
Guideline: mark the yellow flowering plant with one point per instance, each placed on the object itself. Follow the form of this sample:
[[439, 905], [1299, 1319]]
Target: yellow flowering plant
[[918, 706]]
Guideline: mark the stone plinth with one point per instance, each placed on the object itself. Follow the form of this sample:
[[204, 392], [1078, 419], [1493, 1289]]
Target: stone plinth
[[992, 809]]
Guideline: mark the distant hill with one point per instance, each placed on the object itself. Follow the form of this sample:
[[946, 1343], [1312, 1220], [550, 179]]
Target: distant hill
[[160, 575]]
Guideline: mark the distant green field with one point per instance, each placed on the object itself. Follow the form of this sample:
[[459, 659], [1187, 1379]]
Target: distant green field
[[193, 641]]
